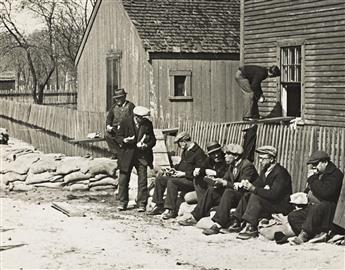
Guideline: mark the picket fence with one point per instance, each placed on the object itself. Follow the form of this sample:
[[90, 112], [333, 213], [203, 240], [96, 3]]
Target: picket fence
[[294, 143]]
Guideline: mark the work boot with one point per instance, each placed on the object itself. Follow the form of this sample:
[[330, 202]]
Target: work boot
[[235, 226], [122, 207], [249, 232], [157, 210], [169, 214]]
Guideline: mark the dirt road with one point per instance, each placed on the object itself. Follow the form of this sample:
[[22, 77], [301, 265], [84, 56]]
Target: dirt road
[[107, 239]]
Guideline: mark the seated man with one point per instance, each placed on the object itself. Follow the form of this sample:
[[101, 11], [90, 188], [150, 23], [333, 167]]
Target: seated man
[[270, 193], [180, 179], [214, 167], [225, 190], [323, 190]]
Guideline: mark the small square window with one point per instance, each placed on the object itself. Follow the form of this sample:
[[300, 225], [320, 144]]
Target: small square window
[[180, 85]]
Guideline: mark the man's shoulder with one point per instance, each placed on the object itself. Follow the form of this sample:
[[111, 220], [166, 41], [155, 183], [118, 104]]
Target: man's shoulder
[[280, 169]]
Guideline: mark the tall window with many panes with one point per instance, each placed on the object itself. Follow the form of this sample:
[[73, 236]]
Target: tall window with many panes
[[290, 59]]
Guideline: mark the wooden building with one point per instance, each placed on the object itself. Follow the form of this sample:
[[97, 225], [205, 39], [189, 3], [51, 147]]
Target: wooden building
[[177, 57], [7, 80], [306, 38]]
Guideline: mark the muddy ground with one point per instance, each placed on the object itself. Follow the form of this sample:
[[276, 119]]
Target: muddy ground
[[107, 239]]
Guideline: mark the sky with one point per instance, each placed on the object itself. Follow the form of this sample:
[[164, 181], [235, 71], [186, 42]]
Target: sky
[[27, 22]]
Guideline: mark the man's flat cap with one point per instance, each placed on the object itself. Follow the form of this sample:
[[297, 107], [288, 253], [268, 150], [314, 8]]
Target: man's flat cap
[[233, 149], [182, 136], [317, 156], [213, 147], [141, 111], [267, 150]]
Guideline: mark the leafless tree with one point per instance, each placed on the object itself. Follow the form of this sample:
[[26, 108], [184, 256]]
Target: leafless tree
[[63, 21]]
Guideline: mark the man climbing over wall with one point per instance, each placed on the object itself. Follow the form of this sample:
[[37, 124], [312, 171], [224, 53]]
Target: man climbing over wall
[[249, 78]]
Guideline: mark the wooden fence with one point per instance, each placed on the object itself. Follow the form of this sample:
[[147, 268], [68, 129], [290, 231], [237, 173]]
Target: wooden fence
[[51, 96], [294, 144]]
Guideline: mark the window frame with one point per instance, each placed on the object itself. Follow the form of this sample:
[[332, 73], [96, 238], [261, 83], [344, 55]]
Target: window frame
[[188, 85], [280, 84]]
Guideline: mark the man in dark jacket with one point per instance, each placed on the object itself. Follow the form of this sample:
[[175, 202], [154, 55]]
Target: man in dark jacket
[[180, 179], [268, 194], [225, 190], [249, 78], [136, 139], [323, 189], [214, 167], [120, 110]]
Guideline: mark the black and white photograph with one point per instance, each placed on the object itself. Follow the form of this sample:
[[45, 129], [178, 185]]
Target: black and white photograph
[[172, 134]]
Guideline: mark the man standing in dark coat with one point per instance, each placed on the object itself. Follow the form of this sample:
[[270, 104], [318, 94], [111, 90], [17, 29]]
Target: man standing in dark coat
[[225, 189], [120, 110], [136, 139], [268, 194], [323, 189], [249, 78], [180, 179]]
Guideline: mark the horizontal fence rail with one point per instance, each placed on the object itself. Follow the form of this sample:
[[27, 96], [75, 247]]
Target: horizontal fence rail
[[294, 144], [50, 97]]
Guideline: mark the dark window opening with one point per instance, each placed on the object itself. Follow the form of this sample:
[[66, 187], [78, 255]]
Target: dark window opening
[[113, 75], [293, 99], [180, 86]]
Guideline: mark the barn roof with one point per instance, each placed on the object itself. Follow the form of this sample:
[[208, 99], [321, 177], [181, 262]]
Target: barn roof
[[197, 26]]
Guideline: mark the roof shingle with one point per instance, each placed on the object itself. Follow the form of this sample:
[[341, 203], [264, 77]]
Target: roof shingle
[[198, 26]]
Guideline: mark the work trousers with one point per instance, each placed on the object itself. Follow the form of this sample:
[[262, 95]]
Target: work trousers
[[229, 200], [112, 144], [211, 198], [173, 185], [313, 219], [253, 207], [124, 179], [200, 186], [250, 102]]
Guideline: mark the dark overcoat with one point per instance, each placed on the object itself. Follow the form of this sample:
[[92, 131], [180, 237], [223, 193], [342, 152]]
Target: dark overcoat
[[245, 170], [129, 151], [276, 187]]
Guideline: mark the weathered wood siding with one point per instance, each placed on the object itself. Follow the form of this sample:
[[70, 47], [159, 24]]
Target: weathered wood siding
[[112, 29], [322, 24], [216, 95]]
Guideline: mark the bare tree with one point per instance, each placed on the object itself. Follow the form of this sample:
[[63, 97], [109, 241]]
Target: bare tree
[[64, 22]]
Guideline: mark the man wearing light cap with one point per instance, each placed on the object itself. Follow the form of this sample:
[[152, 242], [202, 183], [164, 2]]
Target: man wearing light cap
[[268, 194], [120, 110], [181, 179], [136, 139], [225, 190], [323, 189]]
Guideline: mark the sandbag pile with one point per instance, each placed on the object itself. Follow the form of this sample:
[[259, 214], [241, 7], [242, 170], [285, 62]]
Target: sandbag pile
[[23, 168]]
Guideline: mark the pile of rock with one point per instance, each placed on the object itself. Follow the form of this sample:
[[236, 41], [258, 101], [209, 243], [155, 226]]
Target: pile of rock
[[23, 168]]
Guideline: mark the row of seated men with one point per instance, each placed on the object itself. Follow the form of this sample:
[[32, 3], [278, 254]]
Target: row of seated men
[[224, 178]]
